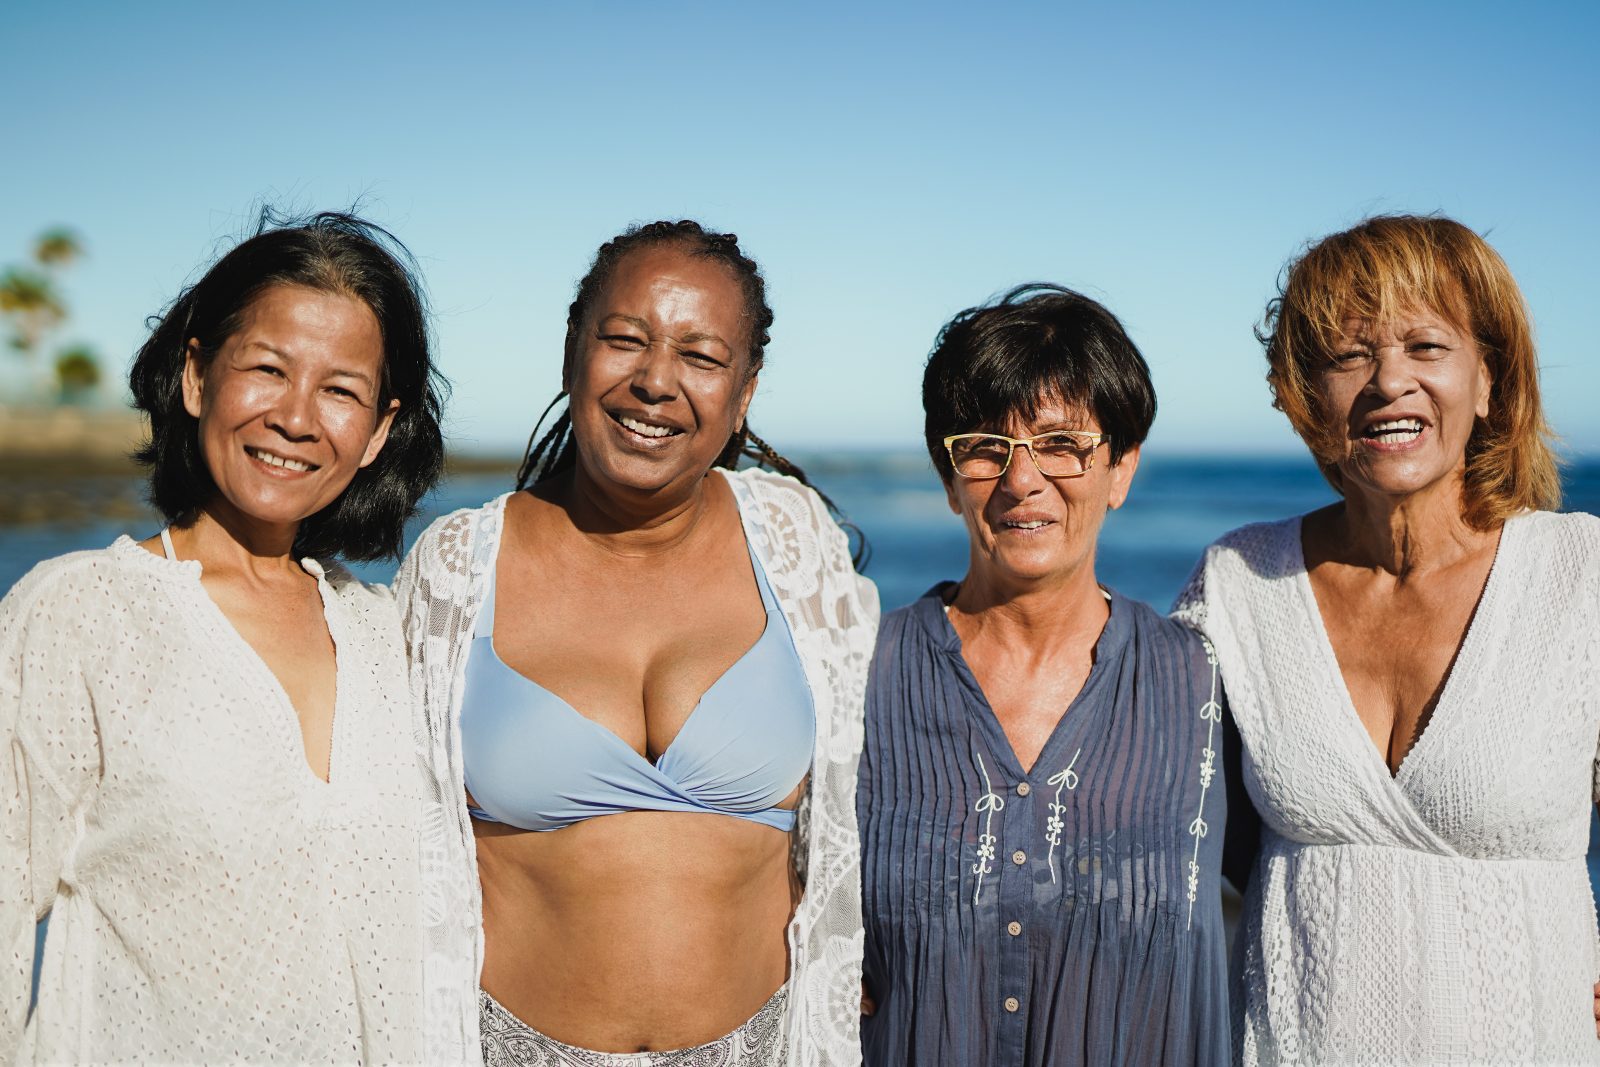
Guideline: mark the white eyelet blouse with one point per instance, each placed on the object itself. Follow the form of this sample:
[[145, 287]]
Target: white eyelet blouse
[[211, 900]]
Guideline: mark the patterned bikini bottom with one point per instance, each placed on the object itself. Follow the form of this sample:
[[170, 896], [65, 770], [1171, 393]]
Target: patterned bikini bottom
[[510, 1042]]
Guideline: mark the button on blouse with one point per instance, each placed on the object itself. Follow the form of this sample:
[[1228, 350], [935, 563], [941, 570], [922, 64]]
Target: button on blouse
[[1101, 940]]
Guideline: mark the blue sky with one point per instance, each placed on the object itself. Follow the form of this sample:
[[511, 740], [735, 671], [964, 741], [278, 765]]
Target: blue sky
[[887, 164]]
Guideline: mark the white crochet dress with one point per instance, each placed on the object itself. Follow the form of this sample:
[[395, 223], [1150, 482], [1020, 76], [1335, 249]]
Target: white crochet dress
[[1442, 915], [211, 900], [833, 615]]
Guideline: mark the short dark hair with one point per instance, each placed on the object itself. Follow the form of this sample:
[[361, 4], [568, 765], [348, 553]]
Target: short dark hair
[[330, 252], [1037, 342]]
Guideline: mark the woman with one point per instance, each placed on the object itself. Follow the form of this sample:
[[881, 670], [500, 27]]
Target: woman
[[210, 783], [1413, 670], [647, 670], [1042, 791]]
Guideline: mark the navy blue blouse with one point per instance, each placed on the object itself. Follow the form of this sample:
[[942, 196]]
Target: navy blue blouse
[[1066, 914]]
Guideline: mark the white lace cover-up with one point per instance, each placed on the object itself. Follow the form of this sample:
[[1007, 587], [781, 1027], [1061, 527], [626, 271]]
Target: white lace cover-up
[[1441, 915], [211, 900], [833, 615]]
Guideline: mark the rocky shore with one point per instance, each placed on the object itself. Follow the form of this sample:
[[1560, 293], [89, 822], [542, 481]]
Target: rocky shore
[[69, 466], [72, 466]]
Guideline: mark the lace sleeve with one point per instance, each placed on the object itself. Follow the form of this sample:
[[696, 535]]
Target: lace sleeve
[[1190, 606], [1595, 792], [833, 613], [432, 590], [48, 770], [1594, 642], [412, 605]]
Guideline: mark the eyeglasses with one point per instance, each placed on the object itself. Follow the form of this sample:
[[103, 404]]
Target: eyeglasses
[[1057, 454]]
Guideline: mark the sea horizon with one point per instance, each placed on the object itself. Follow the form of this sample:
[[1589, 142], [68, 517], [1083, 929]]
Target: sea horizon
[[1179, 503]]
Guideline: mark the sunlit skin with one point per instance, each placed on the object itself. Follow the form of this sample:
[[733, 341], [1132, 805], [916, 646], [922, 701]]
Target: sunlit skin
[[1421, 367], [1396, 570], [1029, 610], [1396, 558], [298, 380], [625, 588], [667, 346]]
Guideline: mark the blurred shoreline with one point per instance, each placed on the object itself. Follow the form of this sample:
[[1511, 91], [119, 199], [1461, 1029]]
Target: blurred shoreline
[[69, 466]]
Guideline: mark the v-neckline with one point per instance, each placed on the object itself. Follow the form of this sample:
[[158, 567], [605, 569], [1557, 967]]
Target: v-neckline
[[287, 721], [1465, 655], [1071, 721]]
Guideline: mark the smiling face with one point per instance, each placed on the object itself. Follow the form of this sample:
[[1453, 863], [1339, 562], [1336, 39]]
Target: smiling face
[[1406, 395], [1024, 528], [288, 404], [658, 371]]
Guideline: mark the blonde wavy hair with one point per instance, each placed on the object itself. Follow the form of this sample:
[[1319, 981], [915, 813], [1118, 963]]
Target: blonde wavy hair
[[1390, 265]]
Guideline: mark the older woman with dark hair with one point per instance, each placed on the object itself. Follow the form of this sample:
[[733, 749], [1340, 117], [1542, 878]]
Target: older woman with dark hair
[[1414, 672], [1042, 792], [641, 674], [210, 782]]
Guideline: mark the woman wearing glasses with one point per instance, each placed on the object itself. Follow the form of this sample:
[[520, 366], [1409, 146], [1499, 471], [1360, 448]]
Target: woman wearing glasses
[[1042, 791]]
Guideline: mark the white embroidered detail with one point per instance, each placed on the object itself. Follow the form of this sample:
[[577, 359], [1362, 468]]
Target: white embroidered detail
[[1211, 712], [1068, 779], [989, 803]]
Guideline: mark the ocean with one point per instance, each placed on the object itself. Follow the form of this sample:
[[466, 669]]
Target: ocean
[[1178, 505]]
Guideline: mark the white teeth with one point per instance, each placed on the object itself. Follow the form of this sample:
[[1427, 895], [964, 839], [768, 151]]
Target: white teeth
[[1034, 525], [279, 461], [644, 429], [1395, 431]]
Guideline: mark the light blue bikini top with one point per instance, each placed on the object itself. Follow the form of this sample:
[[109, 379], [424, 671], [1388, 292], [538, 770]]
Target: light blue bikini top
[[533, 761]]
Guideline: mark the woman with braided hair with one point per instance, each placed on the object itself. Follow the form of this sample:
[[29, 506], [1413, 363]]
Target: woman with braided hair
[[641, 676]]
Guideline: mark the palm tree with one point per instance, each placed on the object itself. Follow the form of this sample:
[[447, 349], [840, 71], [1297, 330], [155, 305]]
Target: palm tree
[[30, 297], [57, 247], [77, 373]]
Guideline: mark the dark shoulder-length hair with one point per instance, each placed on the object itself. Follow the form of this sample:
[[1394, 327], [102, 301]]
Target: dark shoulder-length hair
[[1036, 343], [330, 252], [1391, 264]]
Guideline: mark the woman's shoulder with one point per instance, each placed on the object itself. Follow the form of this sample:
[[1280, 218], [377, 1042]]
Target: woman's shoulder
[[1258, 540], [804, 549], [789, 511], [918, 622], [1574, 531], [77, 580], [770, 487], [1258, 552], [352, 590], [447, 541], [1162, 636], [1555, 554]]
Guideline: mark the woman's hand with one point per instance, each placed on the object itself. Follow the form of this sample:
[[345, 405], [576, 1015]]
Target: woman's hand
[[864, 1010], [870, 1006]]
